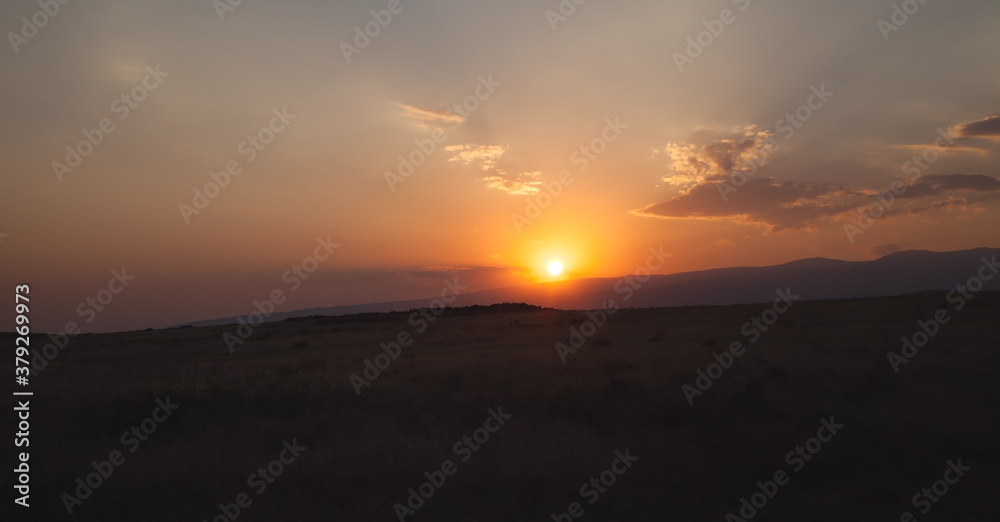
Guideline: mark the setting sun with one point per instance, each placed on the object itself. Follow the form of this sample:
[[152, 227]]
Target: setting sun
[[555, 268]]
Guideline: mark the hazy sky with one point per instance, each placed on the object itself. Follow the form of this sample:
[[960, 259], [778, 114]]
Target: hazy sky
[[536, 86]]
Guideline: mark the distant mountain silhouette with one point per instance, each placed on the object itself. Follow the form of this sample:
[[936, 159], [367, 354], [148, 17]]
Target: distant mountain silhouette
[[904, 272]]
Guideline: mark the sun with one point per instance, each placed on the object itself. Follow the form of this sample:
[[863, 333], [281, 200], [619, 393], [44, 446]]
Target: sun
[[555, 268]]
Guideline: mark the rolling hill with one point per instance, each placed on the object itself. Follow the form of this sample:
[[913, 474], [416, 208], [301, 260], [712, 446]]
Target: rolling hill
[[905, 272]]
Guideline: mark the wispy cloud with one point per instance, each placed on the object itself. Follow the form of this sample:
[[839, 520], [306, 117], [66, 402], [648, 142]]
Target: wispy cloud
[[955, 147], [432, 118], [965, 137]]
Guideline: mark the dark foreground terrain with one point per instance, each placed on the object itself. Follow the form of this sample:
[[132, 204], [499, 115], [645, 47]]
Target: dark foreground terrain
[[821, 364]]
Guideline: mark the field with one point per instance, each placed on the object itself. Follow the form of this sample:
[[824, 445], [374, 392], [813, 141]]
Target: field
[[621, 391]]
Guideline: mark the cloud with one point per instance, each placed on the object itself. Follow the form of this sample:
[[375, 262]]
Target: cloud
[[431, 118], [988, 127], [485, 155], [434, 272], [954, 147], [764, 201], [964, 137], [525, 184], [802, 205], [710, 157], [948, 203], [478, 277], [938, 184]]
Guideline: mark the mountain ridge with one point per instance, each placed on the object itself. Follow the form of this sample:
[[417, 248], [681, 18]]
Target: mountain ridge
[[903, 272]]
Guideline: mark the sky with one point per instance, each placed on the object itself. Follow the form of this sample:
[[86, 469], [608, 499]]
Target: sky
[[478, 140]]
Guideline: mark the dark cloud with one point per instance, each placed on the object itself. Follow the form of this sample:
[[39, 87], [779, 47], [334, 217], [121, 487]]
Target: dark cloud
[[919, 189], [796, 205], [950, 203], [977, 182], [435, 273], [786, 205], [939, 184], [988, 127], [430, 278]]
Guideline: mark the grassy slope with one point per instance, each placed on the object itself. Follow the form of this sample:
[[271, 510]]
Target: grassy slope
[[621, 390]]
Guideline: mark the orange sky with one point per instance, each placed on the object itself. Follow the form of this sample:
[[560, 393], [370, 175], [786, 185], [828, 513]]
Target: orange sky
[[537, 95]]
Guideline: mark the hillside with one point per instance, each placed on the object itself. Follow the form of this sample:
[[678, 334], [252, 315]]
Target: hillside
[[622, 391], [817, 278]]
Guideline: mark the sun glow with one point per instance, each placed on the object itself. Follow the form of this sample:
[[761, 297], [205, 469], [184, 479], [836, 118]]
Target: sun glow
[[559, 252]]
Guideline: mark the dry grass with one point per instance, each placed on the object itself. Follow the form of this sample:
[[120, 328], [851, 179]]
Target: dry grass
[[622, 389]]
